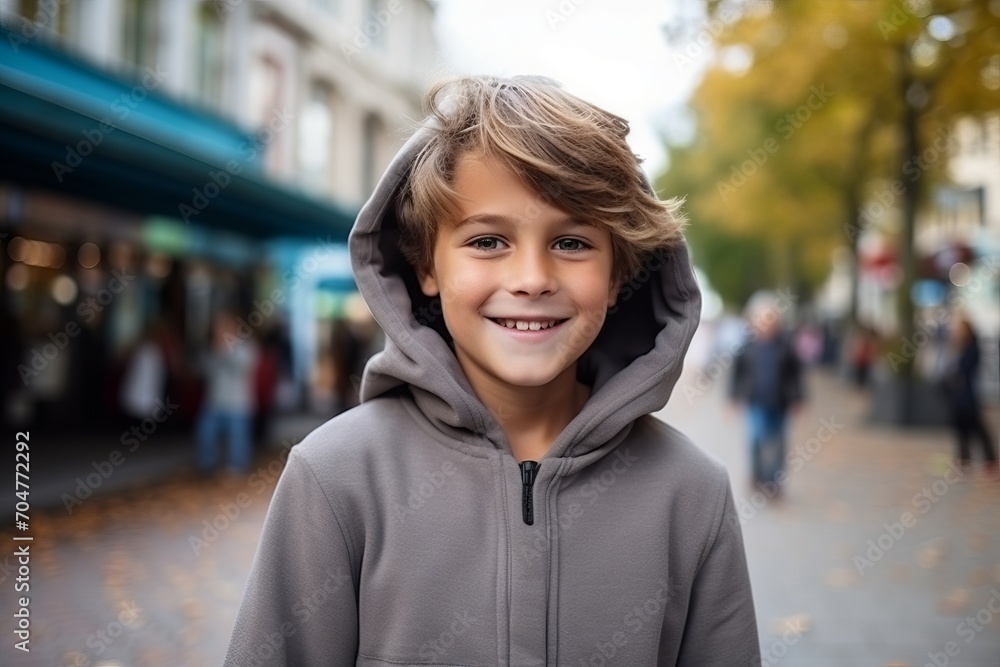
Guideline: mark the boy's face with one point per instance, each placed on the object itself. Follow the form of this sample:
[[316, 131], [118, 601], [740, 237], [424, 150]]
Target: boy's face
[[511, 255]]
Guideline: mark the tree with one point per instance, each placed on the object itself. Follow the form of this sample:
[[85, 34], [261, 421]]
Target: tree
[[851, 101]]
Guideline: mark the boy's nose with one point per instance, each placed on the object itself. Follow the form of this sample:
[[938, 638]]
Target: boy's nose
[[531, 271]]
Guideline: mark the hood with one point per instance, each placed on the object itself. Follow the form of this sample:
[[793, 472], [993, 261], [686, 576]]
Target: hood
[[632, 366]]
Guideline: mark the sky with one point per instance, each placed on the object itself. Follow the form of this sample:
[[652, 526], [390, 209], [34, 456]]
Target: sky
[[613, 53]]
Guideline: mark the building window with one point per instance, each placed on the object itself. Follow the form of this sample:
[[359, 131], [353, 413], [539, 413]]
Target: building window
[[139, 32], [376, 22], [56, 18], [330, 7], [373, 130], [315, 137], [209, 53], [267, 97]]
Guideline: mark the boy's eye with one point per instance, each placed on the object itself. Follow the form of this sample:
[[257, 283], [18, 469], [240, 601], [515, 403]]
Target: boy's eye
[[579, 245], [486, 243]]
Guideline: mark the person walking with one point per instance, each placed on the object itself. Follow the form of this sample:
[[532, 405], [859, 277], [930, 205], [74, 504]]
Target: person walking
[[960, 385], [767, 376], [229, 397]]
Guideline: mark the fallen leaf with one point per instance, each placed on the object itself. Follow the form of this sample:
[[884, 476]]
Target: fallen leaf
[[955, 602], [931, 555], [798, 624], [901, 573], [842, 578], [980, 576]]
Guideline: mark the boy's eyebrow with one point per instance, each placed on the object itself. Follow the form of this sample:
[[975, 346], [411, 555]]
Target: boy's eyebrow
[[499, 219]]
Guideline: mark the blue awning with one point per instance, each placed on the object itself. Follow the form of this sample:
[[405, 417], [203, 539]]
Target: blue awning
[[68, 126]]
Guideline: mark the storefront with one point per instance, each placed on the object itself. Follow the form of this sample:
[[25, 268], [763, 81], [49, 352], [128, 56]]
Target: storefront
[[120, 209]]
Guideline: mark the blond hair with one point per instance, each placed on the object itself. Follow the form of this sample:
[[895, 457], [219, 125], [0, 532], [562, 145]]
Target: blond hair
[[572, 153]]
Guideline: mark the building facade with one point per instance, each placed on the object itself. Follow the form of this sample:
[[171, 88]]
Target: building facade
[[347, 75], [213, 152]]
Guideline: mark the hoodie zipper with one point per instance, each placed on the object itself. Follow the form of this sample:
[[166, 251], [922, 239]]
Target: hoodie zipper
[[529, 470]]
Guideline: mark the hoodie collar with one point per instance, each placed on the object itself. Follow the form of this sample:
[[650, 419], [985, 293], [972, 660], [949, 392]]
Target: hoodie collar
[[632, 366]]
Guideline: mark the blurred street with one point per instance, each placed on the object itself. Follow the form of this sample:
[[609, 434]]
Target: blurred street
[[152, 575], [814, 608]]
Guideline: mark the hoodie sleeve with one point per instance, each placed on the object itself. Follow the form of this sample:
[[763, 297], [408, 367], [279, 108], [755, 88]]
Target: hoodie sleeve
[[721, 627], [300, 606]]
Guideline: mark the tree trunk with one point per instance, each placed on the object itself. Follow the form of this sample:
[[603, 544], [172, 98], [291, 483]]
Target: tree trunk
[[854, 220], [910, 149]]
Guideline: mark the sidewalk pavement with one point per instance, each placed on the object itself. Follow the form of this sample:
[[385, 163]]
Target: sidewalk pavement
[[877, 552], [88, 466], [148, 570], [152, 575]]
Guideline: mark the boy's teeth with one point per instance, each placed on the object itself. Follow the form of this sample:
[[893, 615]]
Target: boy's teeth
[[526, 326]]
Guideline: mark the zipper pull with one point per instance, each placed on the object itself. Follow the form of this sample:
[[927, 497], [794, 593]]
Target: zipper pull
[[529, 469]]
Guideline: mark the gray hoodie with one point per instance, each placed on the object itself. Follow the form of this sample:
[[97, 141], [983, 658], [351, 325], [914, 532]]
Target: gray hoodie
[[399, 531]]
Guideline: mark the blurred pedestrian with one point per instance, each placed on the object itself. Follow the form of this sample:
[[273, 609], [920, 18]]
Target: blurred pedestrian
[[960, 386], [862, 355], [145, 377], [265, 381], [348, 363], [808, 343], [767, 376], [229, 400], [153, 366], [354, 340]]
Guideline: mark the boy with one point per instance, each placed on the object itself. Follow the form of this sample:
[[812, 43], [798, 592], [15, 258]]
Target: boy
[[501, 496]]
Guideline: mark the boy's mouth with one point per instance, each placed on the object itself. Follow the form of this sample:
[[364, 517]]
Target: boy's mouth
[[527, 325]]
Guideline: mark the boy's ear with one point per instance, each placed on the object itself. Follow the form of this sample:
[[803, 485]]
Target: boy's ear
[[614, 288], [428, 281]]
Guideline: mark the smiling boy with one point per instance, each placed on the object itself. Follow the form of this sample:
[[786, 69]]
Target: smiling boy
[[502, 495], [505, 276]]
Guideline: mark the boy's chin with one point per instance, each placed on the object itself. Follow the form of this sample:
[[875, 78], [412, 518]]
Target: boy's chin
[[530, 378]]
